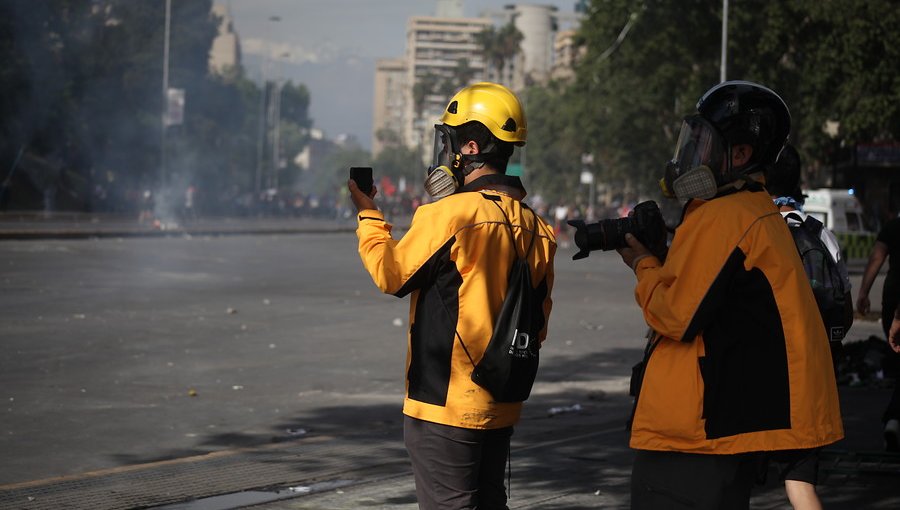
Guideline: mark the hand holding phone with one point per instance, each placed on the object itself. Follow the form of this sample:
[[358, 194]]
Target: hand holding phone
[[362, 175]]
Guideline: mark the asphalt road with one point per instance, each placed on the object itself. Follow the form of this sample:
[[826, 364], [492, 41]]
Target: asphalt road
[[126, 351], [132, 358]]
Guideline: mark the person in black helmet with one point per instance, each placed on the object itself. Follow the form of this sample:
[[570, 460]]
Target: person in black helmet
[[738, 365]]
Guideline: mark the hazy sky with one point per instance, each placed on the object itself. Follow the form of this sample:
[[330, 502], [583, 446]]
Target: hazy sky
[[332, 45]]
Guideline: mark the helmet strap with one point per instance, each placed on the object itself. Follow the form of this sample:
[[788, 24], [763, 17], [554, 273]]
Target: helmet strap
[[740, 181], [472, 162]]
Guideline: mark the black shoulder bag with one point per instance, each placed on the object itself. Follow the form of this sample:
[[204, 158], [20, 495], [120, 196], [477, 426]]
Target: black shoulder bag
[[510, 362]]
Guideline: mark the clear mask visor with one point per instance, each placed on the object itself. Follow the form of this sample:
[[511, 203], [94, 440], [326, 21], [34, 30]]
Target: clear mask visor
[[699, 144], [440, 180], [699, 157], [443, 147]]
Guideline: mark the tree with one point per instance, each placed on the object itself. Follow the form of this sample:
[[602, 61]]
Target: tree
[[830, 67], [398, 161], [460, 77], [40, 128], [81, 110], [554, 145], [295, 104], [331, 178], [499, 46], [646, 65], [425, 86]]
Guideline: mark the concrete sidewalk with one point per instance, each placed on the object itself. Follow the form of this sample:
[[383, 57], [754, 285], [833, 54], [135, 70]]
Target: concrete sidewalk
[[96, 225]]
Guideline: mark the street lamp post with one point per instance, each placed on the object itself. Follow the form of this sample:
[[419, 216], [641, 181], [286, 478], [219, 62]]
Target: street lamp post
[[260, 142], [276, 132], [267, 102], [723, 68], [165, 97], [276, 136]]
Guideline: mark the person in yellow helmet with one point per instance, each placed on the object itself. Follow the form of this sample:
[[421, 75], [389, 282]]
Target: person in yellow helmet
[[454, 262]]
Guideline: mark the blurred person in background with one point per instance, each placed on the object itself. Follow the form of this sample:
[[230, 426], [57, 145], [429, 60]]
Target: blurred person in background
[[799, 473], [886, 247]]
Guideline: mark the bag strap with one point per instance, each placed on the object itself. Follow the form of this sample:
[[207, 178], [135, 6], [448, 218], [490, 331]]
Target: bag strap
[[527, 251], [534, 231], [794, 216], [814, 225]]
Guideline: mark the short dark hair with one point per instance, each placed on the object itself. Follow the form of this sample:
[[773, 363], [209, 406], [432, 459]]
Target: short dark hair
[[480, 134]]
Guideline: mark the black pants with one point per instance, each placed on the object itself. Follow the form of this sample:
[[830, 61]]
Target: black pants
[[890, 296], [676, 481], [800, 465], [456, 468]]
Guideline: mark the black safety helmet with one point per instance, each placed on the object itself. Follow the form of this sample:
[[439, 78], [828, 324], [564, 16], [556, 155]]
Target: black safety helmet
[[748, 113], [729, 114]]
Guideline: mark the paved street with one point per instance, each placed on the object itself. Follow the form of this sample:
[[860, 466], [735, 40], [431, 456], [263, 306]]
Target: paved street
[[106, 341], [126, 357]]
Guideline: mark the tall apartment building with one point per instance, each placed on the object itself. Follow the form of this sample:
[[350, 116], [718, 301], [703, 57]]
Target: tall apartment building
[[538, 24], [388, 103], [435, 50], [565, 55], [435, 47], [225, 54]]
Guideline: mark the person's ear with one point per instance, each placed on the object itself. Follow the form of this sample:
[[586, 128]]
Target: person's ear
[[740, 155], [470, 147]]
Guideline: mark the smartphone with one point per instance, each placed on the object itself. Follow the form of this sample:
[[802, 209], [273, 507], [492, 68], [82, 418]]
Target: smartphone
[[363, 177]]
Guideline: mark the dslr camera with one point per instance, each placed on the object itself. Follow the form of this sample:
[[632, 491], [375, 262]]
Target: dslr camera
[[645, 223]]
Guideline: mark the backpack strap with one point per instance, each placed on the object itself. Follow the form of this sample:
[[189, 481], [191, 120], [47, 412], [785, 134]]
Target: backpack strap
[[814, 225], [794, 216], [509, 225]]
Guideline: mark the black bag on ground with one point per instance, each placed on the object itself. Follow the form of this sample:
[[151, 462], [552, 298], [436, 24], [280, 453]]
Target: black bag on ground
[[510, 362]]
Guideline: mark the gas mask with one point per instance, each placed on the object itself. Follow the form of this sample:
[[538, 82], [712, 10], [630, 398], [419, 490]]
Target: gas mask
[[700, 155], [445, 175]]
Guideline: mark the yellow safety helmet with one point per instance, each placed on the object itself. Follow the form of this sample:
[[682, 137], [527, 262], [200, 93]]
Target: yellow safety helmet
[[491, 104]]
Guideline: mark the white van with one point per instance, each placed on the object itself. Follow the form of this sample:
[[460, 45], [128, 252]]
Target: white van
[[841, 212], [838, 209]]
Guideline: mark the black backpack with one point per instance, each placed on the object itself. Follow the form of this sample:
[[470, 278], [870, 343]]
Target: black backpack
[[827, 283], [510, 362]]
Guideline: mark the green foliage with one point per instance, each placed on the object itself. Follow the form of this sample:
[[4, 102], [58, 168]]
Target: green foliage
[[553, 151], [425, 85], [461, 76], [833, 65], [397, 161], [295, 105], [332, 178], [499, 45], [82, 92], [646, 64]]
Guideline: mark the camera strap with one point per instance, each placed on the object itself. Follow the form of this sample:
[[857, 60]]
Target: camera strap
[[638, 371]]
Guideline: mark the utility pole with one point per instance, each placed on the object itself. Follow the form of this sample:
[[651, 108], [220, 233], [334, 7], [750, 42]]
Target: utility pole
[[165, 98], [265, 115], [261, 140], [724, 67], [276, 132]]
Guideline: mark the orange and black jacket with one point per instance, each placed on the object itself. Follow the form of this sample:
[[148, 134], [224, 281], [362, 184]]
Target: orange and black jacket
[[741, 360], [454, 262]]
